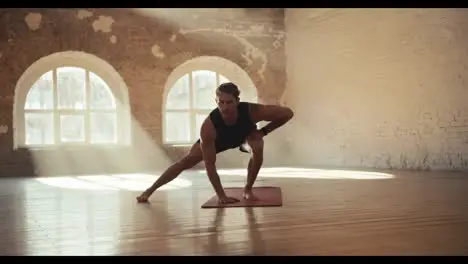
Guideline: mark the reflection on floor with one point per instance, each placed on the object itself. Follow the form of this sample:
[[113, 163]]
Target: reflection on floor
[[324, 213]]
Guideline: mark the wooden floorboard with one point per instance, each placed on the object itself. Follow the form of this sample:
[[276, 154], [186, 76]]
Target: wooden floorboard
[[412, 213]]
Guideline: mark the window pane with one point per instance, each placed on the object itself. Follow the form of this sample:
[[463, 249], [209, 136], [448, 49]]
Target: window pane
[[72, 128], [101, 96], [71, 87], [103, 128], [199, 119], [223, 79], [204, 87], [39, 128], [179, 96], [177, 127], [40, 96]]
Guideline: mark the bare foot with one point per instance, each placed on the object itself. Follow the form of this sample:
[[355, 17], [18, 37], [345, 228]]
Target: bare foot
[[248, 195], [143, 198]]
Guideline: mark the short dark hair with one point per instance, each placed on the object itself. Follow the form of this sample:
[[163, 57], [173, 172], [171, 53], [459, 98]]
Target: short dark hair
[[229, 88]]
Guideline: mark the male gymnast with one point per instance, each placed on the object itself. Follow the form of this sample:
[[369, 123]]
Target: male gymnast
[[230, 125]]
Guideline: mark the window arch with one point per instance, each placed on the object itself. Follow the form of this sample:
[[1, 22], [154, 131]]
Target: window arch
[[190, 95], [71, 98]]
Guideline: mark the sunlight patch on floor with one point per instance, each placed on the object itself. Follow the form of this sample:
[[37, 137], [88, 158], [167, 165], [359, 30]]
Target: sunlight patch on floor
[[307, 173], [131, 182]]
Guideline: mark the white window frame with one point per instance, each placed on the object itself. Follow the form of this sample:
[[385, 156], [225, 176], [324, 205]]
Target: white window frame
[[220, 66], [193, 111], [78, 59]]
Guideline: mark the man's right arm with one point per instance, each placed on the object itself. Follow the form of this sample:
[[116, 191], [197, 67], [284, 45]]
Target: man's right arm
[[208, 146]]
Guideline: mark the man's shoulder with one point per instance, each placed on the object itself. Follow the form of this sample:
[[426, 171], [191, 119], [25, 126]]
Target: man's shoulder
[[249, 104], [252, 106]]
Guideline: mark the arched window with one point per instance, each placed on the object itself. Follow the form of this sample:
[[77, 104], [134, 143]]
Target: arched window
[[188, 103], [190, 96], [62, 100]]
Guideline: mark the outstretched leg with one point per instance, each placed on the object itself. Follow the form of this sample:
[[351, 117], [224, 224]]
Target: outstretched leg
[[190, 160], [255, 163]]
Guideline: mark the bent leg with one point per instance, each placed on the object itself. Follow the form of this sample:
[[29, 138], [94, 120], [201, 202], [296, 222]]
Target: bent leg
[[255, 163], [190, 160]]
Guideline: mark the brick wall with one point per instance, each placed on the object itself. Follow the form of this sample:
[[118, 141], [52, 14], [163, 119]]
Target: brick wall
[[144, 46], [378, 88]]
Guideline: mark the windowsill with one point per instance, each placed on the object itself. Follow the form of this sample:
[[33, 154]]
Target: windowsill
[[93, 146], [182, 145], [72, 147]]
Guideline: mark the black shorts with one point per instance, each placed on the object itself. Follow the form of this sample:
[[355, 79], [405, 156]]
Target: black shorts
[[223, 146], [231, 143]]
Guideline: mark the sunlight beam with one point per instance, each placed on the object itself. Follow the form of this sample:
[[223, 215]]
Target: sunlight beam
[[115, 182], [308, 173]]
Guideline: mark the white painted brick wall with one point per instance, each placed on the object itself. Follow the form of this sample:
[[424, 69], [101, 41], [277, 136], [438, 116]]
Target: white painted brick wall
[[383, 88]]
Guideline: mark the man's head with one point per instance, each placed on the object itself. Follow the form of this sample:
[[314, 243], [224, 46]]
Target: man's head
[[227, 98]]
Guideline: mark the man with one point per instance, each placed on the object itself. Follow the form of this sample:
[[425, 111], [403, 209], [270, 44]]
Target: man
[[230, 125]]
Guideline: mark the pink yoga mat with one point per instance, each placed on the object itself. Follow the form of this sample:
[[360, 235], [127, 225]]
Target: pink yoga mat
[[267, 196]]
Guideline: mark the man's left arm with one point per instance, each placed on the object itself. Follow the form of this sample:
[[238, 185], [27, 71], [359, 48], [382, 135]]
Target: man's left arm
[[275, 114]]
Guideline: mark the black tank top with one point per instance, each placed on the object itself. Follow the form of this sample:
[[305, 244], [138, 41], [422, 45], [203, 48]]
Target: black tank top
[[233, 135]]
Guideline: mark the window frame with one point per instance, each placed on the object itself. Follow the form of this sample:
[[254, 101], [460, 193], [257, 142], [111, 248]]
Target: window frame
[[229, 69], [191, 110], [89, 63]]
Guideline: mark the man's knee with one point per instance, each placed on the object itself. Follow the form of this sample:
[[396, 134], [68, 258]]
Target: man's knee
[[189, 161], [256, 146], [192, 158]]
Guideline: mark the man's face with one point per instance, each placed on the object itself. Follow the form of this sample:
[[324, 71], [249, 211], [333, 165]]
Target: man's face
[[227, 104]]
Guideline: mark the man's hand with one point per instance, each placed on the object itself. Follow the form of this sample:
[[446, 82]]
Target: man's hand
[[227, 200]]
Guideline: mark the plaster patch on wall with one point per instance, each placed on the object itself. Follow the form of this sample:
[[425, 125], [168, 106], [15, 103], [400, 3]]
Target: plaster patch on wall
[[181, 57], [250, 54], [257, 28], [3, 129], [279, 37], [156, 51], [33, 20], [269, 100], [82, 14], [173, 38], [284, 99], [113, 39], [253, 53], [103, 23]]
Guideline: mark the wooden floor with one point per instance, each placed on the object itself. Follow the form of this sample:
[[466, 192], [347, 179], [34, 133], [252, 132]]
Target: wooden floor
[[323, 214]]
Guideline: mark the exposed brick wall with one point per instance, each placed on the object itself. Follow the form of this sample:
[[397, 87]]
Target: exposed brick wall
[[378, 88], [251, 38]]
